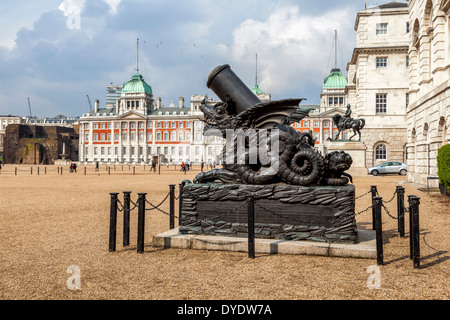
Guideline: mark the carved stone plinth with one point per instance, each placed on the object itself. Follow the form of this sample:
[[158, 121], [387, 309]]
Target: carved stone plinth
[[287, 212]]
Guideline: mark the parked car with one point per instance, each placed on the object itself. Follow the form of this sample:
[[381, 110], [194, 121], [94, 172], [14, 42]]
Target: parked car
[[389, 167]]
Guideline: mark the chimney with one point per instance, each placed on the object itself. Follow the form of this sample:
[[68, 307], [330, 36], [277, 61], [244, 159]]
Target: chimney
[[181, 102], [97, 102], [158, 103]]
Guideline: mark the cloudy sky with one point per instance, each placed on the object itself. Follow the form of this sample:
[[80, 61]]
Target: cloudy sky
[[56, 52]]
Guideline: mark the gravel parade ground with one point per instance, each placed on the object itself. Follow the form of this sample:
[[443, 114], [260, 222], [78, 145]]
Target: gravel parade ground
[[52, 221]]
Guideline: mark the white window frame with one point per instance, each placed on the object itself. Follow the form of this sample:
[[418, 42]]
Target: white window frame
[[381, 28], [381, 62], [381, 152], [380, 103]]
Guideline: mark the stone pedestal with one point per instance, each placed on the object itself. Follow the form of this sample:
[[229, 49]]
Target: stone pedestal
[[356, 149], [287, 212]]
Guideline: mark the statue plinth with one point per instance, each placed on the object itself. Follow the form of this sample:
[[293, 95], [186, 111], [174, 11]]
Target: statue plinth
[[356, 149], [286, 212]]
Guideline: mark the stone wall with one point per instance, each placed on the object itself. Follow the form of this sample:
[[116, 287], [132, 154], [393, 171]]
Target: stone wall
[[31, 144], [428, 115], [393, 139]]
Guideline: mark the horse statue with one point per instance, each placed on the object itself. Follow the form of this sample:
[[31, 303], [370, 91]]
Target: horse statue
[[343, 124]]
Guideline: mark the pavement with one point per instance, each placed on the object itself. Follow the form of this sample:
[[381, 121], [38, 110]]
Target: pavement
[[364, 248]]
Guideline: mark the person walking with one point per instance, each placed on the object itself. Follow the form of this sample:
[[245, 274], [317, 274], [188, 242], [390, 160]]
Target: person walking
[[96, 166], [201, 166]]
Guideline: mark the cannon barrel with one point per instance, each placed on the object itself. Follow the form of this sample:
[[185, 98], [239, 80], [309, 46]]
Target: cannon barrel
[[225, 83]]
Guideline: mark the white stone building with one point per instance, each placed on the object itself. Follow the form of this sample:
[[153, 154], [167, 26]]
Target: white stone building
[[378, 79], [429, 81], [138, 130]]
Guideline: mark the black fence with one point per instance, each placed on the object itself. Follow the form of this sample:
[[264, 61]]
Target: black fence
[[413, 209], [101, 169], [128, 205], [378, 206]]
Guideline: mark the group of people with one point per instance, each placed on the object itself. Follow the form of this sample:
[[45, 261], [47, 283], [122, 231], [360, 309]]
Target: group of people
[[73, 167], [185, 166], [211, 165]]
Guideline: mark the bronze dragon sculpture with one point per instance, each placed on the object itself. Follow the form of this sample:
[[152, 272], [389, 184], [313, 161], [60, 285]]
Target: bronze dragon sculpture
[[296, 160]]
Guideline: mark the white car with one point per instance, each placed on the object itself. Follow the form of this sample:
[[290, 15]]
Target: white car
[[395, 167]]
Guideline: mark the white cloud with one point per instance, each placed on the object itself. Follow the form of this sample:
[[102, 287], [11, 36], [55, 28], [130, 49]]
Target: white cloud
[[290, 47], [69, 7], [113, 5]]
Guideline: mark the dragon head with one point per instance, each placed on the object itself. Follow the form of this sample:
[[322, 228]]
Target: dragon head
[[219, 117]]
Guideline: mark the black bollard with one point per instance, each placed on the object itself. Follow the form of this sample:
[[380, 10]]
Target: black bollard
[[38, 170], [411, 209], [31, 170], [141, 222], [84, 170], [401, 210], [172, 206], [415, 232], [180, 201], [45, 170], [126, 218], [378, 229], [251, 228], [374, 191], [133, 170], [15, 171], [113, 222], [159, 169]]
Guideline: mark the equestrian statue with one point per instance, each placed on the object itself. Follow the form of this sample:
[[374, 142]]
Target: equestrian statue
[[347, 122]]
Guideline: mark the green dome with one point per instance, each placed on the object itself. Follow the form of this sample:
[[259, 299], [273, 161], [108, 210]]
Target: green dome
[[137, 84], [335, 80], [256, 90]]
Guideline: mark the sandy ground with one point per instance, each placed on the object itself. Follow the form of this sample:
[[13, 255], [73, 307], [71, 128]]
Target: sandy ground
[[50, 221]]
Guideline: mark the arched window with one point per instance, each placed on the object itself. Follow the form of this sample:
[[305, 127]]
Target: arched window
[[425, 132], [442, 130], [428, 24], [381, 152]]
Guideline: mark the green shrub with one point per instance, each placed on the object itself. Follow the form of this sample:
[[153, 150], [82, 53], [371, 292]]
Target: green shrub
[[443, 163]]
